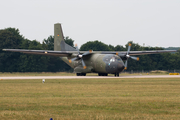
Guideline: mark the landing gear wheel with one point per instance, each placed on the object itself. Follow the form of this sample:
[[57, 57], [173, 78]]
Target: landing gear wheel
[[102, 74], [81, 74], [99, 74], [116, 74]]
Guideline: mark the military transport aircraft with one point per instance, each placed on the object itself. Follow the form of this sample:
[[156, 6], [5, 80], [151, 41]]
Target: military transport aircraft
[[101, 62]]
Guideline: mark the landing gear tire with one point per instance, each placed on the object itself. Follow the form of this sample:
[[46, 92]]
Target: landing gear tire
[[102, 74], [81, 74], [116, 74]]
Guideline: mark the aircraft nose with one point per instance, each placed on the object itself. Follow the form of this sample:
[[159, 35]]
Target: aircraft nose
[[120, 66]]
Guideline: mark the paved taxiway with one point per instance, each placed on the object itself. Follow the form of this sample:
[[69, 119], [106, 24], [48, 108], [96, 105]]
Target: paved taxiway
[[86, 77]]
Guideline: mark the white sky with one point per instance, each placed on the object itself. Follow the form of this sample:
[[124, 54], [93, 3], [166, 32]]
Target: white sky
[[115, 22]]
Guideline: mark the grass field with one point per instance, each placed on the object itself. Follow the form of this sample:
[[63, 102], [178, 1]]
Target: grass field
[[102, 99]]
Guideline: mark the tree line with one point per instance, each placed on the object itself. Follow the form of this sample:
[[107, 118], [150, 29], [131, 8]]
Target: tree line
[[10, 38]]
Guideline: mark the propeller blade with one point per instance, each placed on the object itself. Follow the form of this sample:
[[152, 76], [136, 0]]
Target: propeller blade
[[87, 53], [73, 59], [77, 48], [128, 56], [129, 48], [125, 65], [84, 66], [134, 58]]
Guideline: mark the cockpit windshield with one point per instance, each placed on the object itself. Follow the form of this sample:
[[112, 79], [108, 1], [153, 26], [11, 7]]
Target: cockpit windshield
[[112, 59], [115, 58]]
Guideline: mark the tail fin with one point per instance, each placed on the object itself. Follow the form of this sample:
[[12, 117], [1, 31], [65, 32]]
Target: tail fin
[[59, 43]]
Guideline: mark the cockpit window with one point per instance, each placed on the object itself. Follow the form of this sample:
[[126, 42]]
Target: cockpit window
[[119, 59], [114, 58]]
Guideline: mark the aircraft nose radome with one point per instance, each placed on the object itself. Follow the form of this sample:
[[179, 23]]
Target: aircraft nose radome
[[120, 66]]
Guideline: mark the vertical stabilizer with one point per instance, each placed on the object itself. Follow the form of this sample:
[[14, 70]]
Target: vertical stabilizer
[[59, 43]]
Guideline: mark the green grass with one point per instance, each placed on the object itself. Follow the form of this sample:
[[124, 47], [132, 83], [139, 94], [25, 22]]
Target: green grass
[[103, 99]]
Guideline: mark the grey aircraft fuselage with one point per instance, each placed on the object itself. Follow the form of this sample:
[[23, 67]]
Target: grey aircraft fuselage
[[98, 63]]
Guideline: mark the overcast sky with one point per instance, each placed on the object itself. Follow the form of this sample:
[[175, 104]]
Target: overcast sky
[[115, 22]]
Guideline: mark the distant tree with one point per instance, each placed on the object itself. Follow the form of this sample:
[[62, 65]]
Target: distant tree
[[9, 39], [48, 44], [55, 64], [172, 48], [95, 45], [134, 46], [69, 41], [33, 63], [111, 48], [179, 51], [119, 48], [25, 44]]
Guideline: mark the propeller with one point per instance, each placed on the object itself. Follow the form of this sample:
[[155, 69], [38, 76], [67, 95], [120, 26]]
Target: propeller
[[128, 56], [80, 56]]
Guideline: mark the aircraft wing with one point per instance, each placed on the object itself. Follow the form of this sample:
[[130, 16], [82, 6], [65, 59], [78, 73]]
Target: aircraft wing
[[69, 53], [43, 52], [139, 52]]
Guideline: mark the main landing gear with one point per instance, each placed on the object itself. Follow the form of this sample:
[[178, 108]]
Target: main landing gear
[[116, 74], [102, 74], [81, 74]]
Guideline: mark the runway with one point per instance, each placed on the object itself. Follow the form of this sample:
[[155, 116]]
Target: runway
[[87, 77]]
